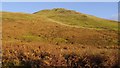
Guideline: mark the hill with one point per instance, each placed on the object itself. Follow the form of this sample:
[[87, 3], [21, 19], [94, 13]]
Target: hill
[[71, 17], [53, 38], [32, 27]]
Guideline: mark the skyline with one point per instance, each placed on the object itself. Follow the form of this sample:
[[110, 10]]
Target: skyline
[[107, 10]]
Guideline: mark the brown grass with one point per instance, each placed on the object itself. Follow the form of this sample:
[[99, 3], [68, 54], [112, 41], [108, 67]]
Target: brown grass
[[32, 40], [41, 54]]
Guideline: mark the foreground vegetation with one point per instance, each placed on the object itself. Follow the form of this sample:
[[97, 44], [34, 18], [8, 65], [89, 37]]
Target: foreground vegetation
[[41, 54], [59, 37]]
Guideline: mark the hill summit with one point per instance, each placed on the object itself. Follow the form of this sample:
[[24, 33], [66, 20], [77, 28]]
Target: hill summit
[[58, 10], [77, 19]]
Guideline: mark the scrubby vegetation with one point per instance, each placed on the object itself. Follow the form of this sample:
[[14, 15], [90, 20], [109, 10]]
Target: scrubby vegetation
[[39, 55], [59, 37]]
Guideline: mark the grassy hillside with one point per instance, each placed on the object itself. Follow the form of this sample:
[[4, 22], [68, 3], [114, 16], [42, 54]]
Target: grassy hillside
[[52, 38], [74, 18], [31, 27]]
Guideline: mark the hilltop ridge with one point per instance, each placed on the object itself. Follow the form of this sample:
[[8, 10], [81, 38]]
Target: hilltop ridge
[[71, 17], [58, 10]]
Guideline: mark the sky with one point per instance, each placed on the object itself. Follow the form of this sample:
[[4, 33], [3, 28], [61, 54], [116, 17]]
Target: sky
[[60, 0], [108, 10]]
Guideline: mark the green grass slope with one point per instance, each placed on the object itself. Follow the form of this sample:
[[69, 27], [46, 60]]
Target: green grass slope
[[70, 17]]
